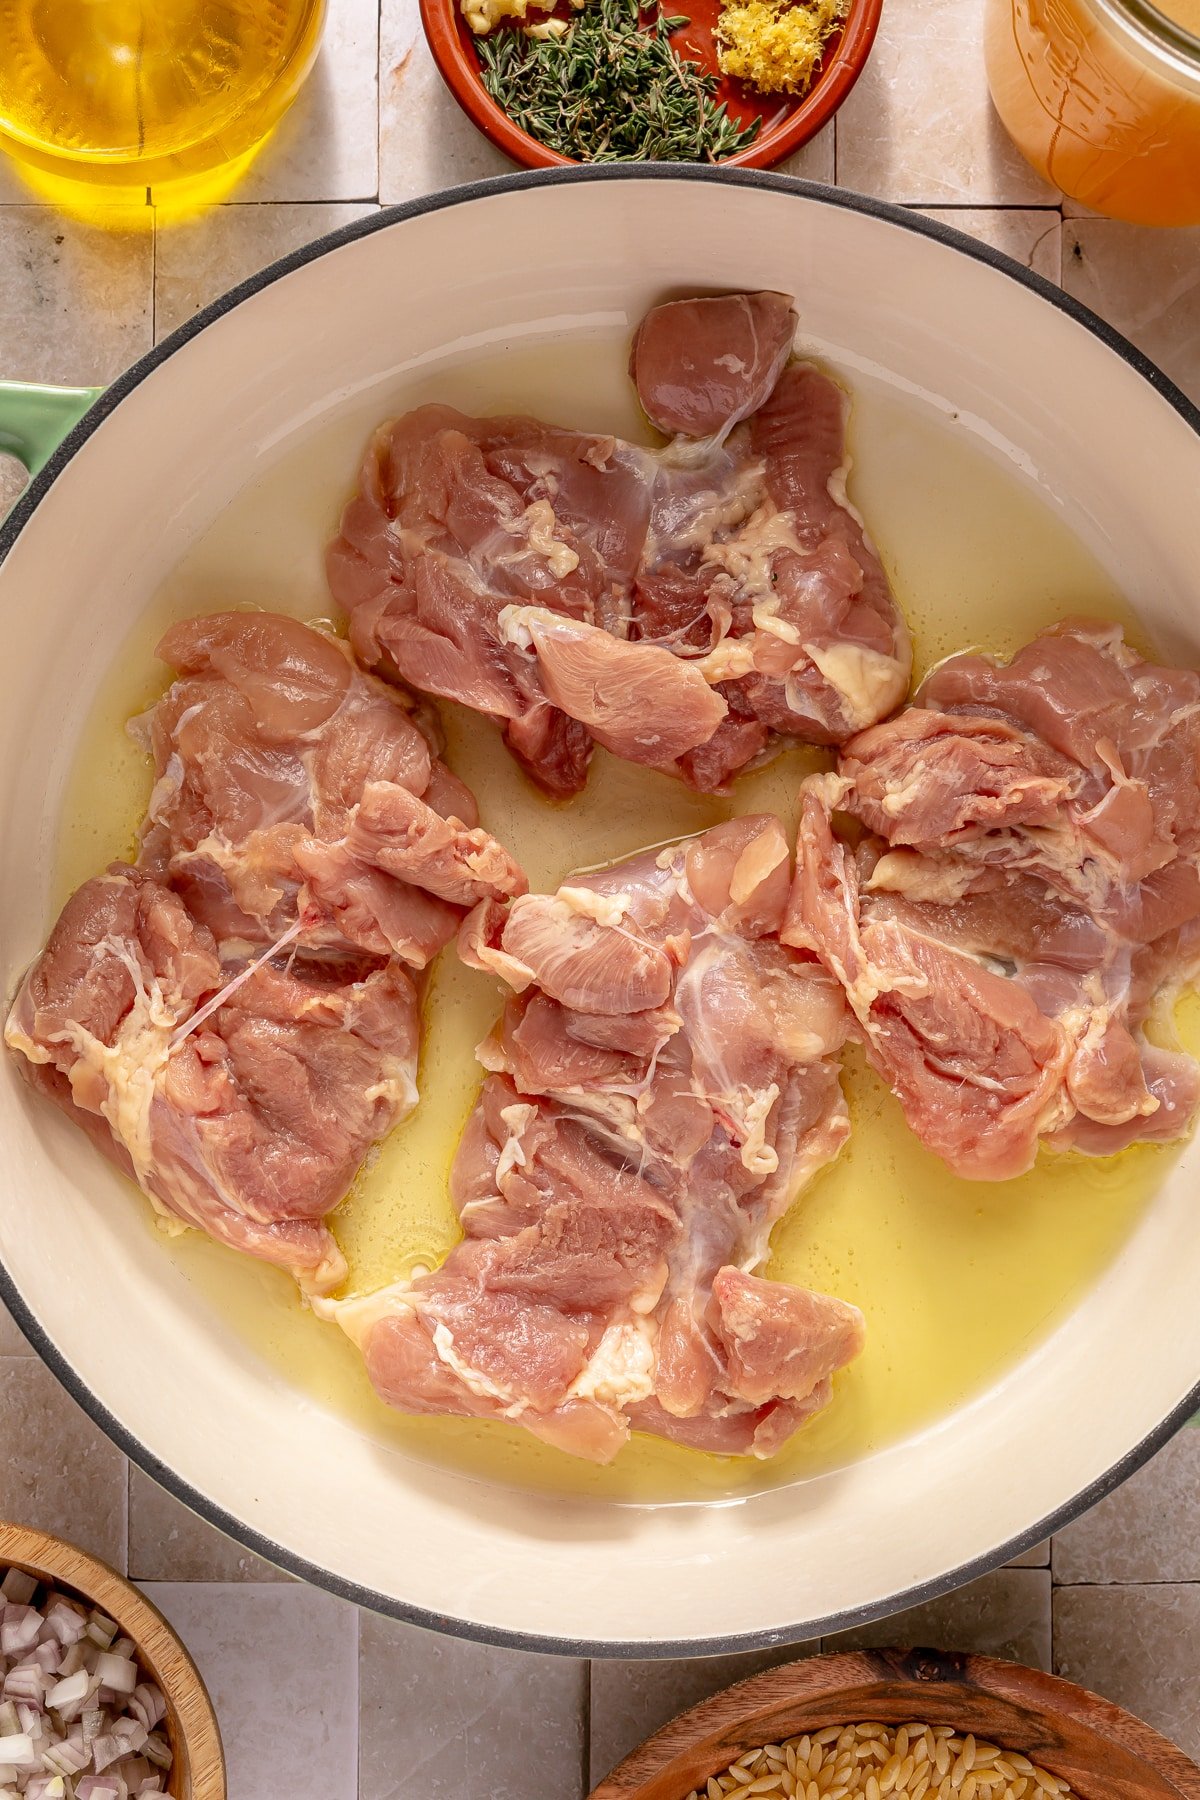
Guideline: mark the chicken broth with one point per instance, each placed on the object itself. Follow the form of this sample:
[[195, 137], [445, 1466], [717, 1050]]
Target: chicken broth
[[975, 559]]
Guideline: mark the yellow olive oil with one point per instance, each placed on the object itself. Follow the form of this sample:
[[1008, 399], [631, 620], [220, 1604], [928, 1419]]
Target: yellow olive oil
[[105, 101], [958, 1280]]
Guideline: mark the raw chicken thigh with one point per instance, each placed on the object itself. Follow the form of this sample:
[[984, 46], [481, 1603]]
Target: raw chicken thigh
[[290, 786], [233, 1020], [702, 366], [661, 1083], [249, 1122], [1029, 884], [682, 607]]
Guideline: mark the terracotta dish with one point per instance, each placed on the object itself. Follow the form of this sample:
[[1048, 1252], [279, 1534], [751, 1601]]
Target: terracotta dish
[[198, 1769], [788, 120], [1097, 1747]]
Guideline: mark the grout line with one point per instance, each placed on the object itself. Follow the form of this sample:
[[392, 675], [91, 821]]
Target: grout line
[[1113, 1587], [233, 202], [378, 102], [980, 206], [153, 276]]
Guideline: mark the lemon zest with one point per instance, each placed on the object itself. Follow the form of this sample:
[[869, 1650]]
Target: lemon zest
[[774, 46]]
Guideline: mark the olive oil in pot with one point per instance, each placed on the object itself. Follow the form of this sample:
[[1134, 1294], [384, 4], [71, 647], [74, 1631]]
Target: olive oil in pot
[[958, 1280]]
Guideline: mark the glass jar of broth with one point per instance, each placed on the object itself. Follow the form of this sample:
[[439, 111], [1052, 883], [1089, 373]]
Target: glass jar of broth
[[102, 100], [1103, 98]]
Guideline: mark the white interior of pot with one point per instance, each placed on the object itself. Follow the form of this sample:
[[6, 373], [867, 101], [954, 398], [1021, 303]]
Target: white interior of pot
[[1108, 450]]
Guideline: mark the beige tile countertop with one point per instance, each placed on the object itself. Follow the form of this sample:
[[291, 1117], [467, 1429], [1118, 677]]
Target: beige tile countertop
[[316, 1701]]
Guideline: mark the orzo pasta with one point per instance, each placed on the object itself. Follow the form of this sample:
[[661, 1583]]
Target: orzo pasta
[[883, 1762]]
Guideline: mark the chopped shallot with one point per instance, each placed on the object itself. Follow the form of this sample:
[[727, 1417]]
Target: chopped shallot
[[68, 1758], [78, 1719], [66, 1623], [157, 1750], [147, 1705], [25, 1682], [117, 1673], [19, 1632], [106, 1750], [70, 1692]]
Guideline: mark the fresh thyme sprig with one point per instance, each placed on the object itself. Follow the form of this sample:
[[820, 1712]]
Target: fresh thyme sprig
[[611, 89]]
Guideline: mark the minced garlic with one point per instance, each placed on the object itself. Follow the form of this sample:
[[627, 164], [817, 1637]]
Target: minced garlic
[[773, 46], [481, 15]]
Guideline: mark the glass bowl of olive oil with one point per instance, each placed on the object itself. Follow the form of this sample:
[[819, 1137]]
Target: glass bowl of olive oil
[[105, 101]]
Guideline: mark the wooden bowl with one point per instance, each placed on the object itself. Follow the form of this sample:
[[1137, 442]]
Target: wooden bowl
[[198, 1765], [788, 120], [1104, 1752]]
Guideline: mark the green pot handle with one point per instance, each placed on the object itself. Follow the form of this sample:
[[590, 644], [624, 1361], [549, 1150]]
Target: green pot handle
[[35, 420]]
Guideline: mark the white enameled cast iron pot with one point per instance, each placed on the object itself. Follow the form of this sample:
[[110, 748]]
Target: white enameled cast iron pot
[[1113, 447]]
